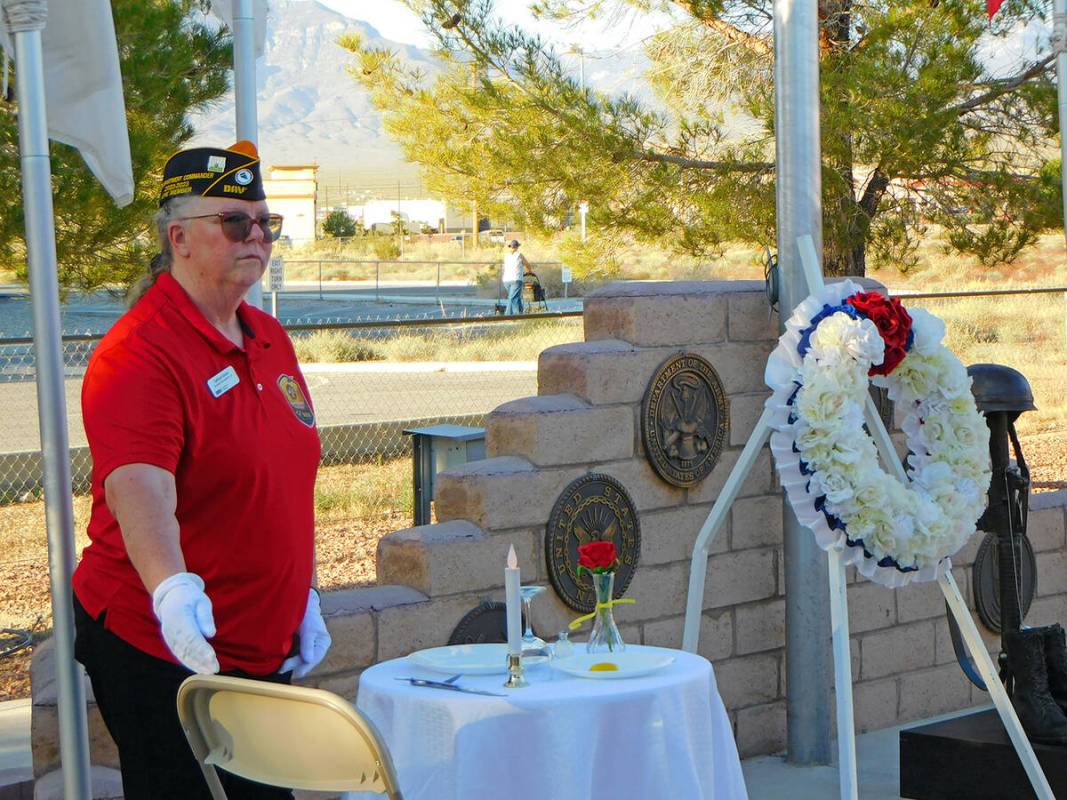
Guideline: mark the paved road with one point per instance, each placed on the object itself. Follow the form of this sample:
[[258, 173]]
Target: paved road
[[349, 302], [339, 398]]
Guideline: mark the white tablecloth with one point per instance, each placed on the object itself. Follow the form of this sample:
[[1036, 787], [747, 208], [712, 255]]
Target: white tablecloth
[[664, 736]]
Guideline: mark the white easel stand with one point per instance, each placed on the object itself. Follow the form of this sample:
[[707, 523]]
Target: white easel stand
[[846, 730]]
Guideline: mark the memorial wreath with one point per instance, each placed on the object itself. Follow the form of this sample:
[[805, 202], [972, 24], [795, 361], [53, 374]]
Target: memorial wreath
[[835, 341]]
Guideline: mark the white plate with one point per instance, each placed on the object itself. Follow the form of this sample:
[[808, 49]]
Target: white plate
[[464, 659], [630, 664]]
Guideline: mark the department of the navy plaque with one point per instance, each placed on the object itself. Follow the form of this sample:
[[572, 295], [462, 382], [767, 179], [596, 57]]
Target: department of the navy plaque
[[593, 508], [684, 419]]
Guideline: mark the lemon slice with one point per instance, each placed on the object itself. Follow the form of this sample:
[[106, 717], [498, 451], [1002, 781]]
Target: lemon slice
[[604, 666]]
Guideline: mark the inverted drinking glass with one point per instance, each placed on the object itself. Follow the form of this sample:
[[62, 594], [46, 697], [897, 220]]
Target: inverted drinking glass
[[534, 648]]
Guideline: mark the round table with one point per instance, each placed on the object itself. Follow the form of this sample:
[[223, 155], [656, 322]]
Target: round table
[[664, 735]]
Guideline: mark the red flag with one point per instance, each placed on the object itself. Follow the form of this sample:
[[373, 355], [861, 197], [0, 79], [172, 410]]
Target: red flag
[[992, 6]]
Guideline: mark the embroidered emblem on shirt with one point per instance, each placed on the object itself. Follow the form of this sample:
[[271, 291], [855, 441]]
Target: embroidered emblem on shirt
[[294, 396]]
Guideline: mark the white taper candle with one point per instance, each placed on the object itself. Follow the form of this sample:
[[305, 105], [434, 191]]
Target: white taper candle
[[513, 602]]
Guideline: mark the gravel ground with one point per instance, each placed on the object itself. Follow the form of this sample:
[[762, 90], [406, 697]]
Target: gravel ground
[[345, 558], [1046, 455]]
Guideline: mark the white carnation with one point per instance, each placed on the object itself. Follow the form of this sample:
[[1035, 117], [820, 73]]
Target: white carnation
[[839, 336], [928, 330]]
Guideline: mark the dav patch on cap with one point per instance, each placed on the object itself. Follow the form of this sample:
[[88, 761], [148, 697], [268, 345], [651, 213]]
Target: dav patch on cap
[[294, 396], [213, 172]]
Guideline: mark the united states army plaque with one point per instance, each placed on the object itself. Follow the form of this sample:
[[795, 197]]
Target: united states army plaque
[[593, 508], [684, 419]]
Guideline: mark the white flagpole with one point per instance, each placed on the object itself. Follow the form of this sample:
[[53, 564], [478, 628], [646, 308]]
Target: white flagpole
[[244, 91], [26, 20], [1059, 44], [809, 658]]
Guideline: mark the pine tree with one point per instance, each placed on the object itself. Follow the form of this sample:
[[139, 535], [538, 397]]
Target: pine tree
[[915, 131], [172, 63], [338, 223]]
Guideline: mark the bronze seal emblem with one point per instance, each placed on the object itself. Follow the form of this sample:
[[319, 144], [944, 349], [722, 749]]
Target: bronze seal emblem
[[486, 622], [684, 419], [593, 508], [294, 396]]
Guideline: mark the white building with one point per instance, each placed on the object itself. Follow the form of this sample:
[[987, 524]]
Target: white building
[[415, 213], [290, 192]]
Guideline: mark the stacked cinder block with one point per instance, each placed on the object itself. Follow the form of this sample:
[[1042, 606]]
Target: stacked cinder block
[[587, 418]]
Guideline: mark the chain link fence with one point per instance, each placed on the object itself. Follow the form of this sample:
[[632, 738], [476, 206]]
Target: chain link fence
[[475, 283], [369, 381]]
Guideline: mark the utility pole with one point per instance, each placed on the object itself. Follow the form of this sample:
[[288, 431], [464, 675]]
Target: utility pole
[[576, 49], [474, 227], [399, 219]]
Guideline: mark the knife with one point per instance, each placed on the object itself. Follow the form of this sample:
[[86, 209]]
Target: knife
[[450, 686]]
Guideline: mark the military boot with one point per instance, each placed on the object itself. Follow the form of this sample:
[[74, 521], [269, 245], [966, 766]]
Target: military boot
[[1041, 718], [1056, 663]]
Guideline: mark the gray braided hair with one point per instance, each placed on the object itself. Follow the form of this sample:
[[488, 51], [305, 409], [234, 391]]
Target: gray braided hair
[[163, 260]]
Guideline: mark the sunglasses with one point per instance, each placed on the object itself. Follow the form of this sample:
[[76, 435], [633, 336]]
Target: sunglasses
[[236, 225]]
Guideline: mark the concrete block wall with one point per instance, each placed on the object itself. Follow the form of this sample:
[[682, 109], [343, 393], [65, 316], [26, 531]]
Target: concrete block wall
[[586, 418]]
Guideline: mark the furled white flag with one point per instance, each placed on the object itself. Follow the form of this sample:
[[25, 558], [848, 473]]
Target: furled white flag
[[83, 91], [223, 9]]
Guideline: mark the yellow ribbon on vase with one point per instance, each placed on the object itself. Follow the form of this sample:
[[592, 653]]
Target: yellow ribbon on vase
[[577, 623]]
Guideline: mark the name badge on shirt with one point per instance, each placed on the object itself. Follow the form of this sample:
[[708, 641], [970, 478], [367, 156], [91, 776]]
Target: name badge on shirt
[[221, 383]]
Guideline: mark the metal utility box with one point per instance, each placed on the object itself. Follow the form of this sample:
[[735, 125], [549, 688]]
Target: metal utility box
[[439, 447]]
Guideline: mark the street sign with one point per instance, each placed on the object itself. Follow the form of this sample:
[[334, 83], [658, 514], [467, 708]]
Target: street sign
[[565, 274], [276, 275]]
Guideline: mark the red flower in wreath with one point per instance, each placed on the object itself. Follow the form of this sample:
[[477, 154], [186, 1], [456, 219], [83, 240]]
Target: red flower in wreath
[[893, 323], [597, 557]]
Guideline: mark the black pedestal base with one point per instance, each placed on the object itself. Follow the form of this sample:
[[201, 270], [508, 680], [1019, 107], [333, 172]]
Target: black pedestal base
[[972, 757]]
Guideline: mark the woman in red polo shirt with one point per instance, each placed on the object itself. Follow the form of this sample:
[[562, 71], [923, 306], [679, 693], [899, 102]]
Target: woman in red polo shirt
[[204, 451]]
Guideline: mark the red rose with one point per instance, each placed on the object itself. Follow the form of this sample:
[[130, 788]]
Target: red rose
[[893, 323], [597, 556]]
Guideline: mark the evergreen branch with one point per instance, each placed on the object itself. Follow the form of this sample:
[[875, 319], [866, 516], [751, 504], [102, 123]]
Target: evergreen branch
[[1005, 85], [756, 44], [693, 163]]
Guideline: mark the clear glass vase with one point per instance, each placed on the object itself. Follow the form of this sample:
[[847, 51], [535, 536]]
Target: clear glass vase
[[605, 637]]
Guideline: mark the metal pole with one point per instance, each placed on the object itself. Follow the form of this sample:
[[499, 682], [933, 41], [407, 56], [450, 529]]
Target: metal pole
[[809, 661], [51, 403], [1059, 43], [244, 92], [474, 218]]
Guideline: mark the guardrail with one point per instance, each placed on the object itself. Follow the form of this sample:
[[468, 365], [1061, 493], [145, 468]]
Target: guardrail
[[992, 293]]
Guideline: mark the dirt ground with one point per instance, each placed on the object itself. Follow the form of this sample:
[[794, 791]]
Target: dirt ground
[[345, 558], [346, 554]]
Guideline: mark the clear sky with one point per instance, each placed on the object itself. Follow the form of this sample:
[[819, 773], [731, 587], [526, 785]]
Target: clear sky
[[394, 21]]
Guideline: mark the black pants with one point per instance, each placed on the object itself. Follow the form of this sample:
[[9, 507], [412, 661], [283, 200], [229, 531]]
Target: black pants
[[137, 697]]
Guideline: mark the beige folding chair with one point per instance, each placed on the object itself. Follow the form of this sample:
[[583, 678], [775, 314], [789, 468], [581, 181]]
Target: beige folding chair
[[281, 735]]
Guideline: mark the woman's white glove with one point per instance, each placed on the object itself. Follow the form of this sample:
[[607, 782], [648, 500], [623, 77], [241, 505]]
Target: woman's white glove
[[184, 614], [315, 640]]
